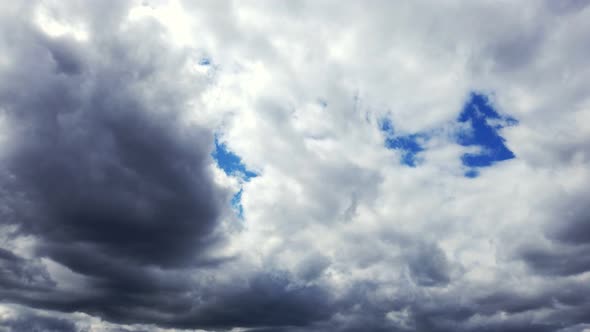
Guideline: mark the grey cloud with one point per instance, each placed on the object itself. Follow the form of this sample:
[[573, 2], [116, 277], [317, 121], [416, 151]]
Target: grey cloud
[[428, 265], [312, 266], [518, 51], [101, 165], [20, 273], [567, 251], [566, 7], [66, 56], [558, 260], [269, 299], [575, 230], [104, 172], [510, 302], [30, 322], [575, 328], [263, 299]]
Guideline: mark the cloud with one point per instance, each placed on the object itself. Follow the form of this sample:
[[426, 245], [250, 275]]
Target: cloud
[[19, 273], [557, 260], [112, 180], [428, 266], [32, 322], [169, 165], [108, 163]]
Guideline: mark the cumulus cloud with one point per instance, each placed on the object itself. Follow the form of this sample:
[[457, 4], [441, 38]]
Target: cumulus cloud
[[294, 166]]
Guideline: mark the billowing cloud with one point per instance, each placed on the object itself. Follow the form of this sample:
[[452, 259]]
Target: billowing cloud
[[294, 166]]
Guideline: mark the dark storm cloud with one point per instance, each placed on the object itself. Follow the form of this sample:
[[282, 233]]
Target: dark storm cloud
[[103, 172], [19, 273], [26, 321], [265, 299], [100, 166], [122, 184], [268, 299]]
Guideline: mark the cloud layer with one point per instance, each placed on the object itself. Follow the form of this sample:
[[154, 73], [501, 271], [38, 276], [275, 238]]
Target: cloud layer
[[294, 166]]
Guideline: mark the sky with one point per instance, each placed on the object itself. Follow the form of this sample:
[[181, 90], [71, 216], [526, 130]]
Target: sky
[[294, 166]]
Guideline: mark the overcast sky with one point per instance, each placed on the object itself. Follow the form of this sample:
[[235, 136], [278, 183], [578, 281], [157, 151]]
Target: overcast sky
[[294, 166]]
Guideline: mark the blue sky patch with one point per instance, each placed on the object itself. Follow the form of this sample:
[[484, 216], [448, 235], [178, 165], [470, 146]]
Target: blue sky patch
[[471, 173], [232, 165], [409, 145], [485, 123], [236, 203], [386, 127], [482, 124]]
